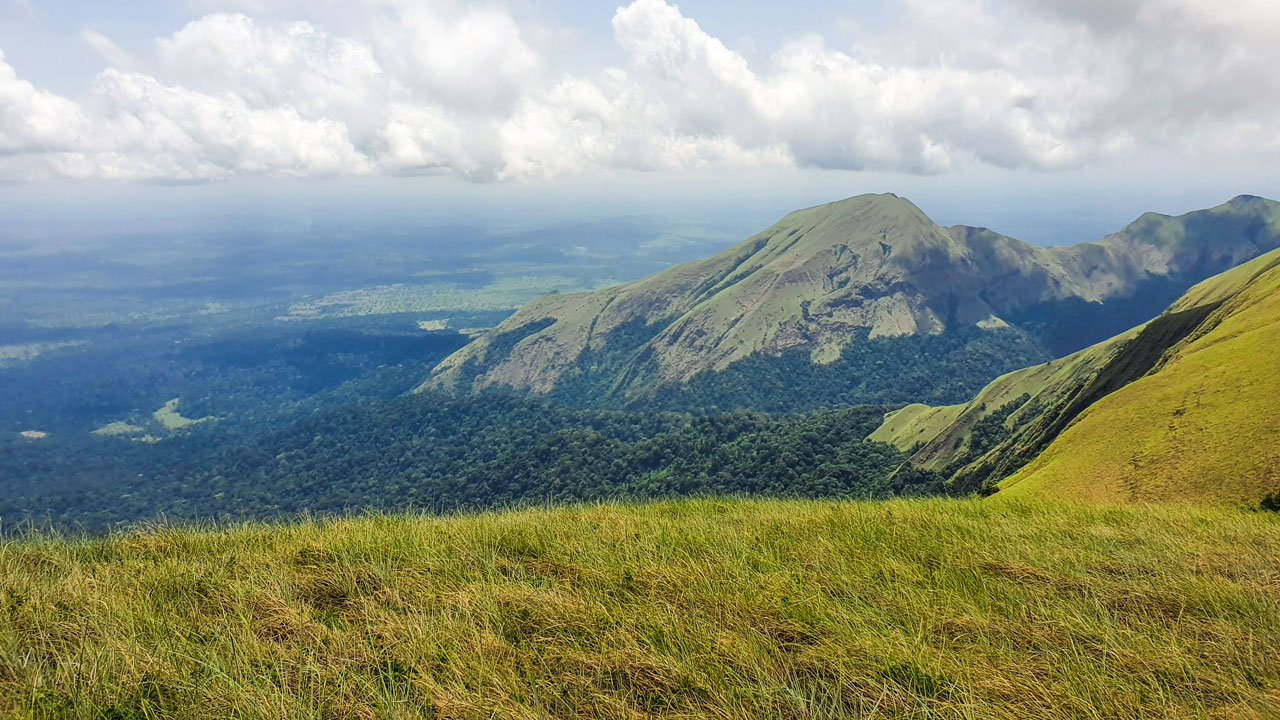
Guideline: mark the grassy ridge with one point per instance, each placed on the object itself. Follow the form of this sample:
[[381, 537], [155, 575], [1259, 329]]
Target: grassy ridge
[[1178, 410], [936, 608], [1201, 428]]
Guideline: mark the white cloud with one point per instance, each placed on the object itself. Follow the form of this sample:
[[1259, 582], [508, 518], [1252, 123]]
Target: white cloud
[[831, 109], [427, 138], [134, 127], [295, 64], [474, 60], [411, 86], [105, 48], [153, 130], [33, 120]]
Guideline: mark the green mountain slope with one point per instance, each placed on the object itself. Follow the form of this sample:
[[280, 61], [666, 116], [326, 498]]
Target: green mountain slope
[[830, 279], [940, 609], [1178, 410], [1202, 427]]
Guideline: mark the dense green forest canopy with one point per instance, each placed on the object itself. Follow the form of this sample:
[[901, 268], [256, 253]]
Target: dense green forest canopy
[[315, 418], [445, 453]]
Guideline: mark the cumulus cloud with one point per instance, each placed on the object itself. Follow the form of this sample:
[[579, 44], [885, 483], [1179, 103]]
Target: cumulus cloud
[[148, 129], [295, 64], [437, 86], [1046, 83], [474, 60], [33, 120]]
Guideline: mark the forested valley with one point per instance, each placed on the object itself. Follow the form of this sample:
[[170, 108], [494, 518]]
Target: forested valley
[[444, 453]]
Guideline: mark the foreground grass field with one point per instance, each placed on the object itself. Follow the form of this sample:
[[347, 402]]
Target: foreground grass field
[[724, 609]]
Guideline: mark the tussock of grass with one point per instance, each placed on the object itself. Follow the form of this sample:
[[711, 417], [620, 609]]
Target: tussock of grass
[[725, 609]]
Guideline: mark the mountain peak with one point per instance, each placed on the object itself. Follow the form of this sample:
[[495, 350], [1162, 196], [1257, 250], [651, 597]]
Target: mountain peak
[[870, 205], [824, 279], [871, 223], [1173, 232], [1241, 202]]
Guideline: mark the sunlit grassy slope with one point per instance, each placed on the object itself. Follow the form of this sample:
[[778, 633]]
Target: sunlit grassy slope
[[723, 609], [1202, 427], [1180, 410], [942, 434]]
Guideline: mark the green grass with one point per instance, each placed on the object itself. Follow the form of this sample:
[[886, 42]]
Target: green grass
[[170, 418], [1179, 410], [915, 424], [722, 609], [1200, 428]]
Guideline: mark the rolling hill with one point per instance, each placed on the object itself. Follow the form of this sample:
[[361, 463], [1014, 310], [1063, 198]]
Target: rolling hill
[[828, 293], [1181, 409]]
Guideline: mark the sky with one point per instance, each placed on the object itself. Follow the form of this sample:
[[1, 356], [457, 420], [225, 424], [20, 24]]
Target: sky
[[1056, 118]]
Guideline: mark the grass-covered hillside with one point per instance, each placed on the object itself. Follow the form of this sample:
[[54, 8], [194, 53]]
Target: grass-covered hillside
[[720, 609], [1201, 426], [838, 304], [1181, 409]]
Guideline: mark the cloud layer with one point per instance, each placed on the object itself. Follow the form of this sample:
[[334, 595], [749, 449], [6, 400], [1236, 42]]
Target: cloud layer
[[432, 86]]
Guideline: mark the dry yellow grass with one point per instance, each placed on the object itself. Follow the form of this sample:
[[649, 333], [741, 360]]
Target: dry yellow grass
[[718, 609]]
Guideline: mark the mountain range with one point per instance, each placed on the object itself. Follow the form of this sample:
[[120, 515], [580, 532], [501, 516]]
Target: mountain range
[[861, 300]]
